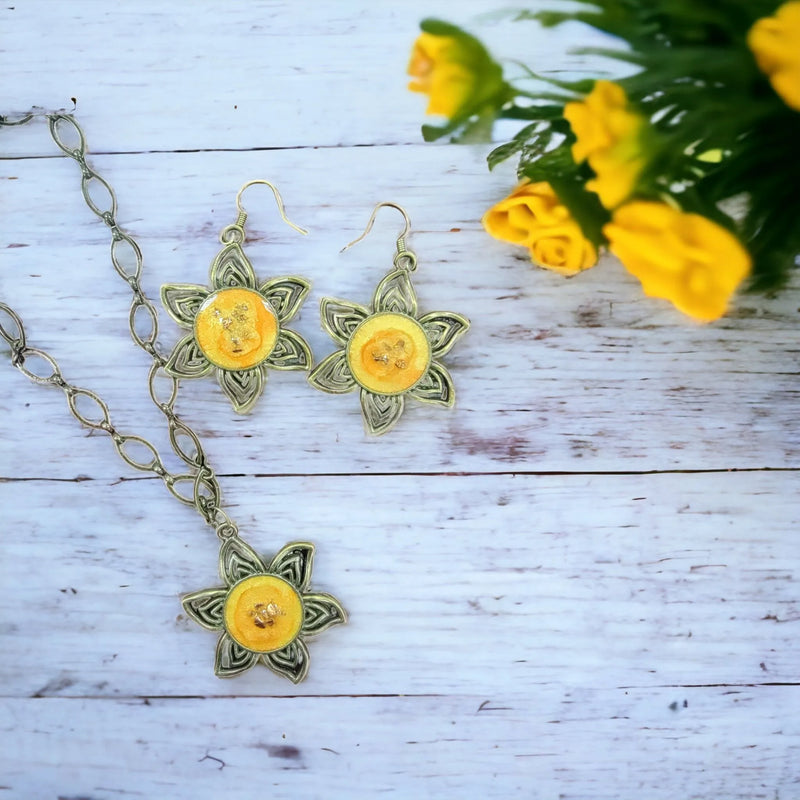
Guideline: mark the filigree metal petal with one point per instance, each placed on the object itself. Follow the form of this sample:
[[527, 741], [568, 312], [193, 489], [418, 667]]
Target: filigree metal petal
[[182, 301], [291, 351], [243, 387], [231, 267], [286, 295], [237, 560], [436, 386], [381, 412], [320, 612], [333, 374], [231, 658], [341, 317], [444, 329], [395, 293], [292, 662], [187, 360], [205, 607], [293, 563]]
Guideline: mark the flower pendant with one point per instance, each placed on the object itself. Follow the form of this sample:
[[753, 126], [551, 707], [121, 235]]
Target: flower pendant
[[265, 610]]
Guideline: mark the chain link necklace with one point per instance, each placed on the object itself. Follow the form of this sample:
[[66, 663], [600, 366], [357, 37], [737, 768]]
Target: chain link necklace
[[265, 609]]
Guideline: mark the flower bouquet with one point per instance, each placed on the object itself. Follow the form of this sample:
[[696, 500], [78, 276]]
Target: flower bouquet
[[686, 170]]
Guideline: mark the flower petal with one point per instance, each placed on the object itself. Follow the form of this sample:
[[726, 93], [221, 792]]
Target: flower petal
[[436, 386], [395, 293], [237, 560], [232, 268], [286, 294], [291, 351], [182, 301], [341, 317], [231, 658], [292, 662], [320, 612], [243, 387], [293, 563], [333, 374], [205, 607], [187, 360], [381, 412], [444, 329]]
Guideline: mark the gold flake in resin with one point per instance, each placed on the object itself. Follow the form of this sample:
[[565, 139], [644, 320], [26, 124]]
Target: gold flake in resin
[[236, 328], [389, 353]]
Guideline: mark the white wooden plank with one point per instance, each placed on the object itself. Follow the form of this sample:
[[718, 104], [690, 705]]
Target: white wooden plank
[[451, 582], [567, 743], [559, 375], [155, 76]]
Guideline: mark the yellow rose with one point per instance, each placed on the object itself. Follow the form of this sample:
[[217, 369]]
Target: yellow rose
[[775, 42], [533, 216], [684, 258], [440, 67], [608, 134]]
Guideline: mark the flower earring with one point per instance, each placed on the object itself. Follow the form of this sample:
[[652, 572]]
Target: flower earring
[[237, 324], [387, 350]]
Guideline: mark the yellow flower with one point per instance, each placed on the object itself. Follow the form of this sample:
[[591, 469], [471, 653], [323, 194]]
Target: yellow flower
[[533, 216], [436, 65], [684, 258], [775, 42], [443, 67], [608, 134]]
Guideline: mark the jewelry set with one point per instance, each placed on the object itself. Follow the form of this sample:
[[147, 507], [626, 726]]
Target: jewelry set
[[236, 330]]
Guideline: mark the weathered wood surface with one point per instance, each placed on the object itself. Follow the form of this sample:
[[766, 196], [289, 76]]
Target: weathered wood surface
[[580, 583]]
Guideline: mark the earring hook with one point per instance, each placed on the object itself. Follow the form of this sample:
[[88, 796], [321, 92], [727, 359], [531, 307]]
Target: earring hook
[[278, 200], [401, 240]]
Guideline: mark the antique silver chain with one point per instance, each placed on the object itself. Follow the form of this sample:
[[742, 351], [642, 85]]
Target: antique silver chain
[[199, 486]]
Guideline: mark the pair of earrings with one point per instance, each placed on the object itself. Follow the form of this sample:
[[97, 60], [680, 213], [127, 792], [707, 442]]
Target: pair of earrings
[[238, 330]]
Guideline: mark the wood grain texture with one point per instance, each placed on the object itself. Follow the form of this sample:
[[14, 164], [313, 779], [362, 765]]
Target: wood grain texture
[[608, 581], [588, 744], [580, 583]]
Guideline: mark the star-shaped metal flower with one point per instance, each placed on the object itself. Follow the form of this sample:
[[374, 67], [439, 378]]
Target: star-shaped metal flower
[[264, 611], [388, 351], [237, 327]]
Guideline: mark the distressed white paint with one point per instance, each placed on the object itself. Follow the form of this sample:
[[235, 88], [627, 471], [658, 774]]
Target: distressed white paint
[[586, 744], [515, 632]]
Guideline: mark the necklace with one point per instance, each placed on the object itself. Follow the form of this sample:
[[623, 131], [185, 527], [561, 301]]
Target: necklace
[[265, 609]]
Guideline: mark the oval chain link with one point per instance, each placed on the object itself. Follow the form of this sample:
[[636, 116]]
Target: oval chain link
[[205, 490]]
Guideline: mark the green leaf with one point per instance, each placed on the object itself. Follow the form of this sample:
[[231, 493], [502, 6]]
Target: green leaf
[[585, 207]]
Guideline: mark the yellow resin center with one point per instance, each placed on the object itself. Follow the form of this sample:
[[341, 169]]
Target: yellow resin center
[[263, 613], [388, 353], [236, 328]]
